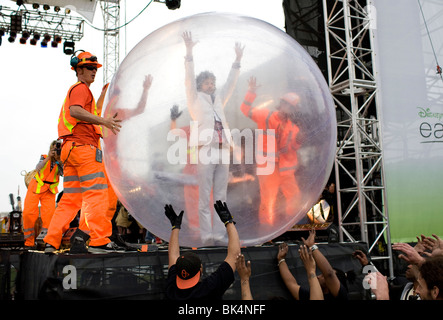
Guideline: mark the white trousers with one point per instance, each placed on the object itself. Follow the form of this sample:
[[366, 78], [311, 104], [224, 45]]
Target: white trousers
[[213, 177]]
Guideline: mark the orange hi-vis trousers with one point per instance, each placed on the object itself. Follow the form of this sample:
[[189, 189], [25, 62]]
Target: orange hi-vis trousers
[[112, 207], [84, 188], [31, 212], [270, 185]]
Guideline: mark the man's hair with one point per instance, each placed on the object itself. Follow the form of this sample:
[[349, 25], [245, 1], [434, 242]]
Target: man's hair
[[432, 273], [202, 77]]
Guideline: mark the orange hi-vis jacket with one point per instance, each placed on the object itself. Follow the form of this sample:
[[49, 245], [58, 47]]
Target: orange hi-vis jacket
[[284, 146], [46, 178], [66, 122], [266, 139]]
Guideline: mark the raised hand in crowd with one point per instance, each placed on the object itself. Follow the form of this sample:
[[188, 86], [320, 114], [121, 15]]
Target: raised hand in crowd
[[315, 290], [244, 271]]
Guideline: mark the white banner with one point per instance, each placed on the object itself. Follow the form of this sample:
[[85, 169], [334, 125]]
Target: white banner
[[411, 104]]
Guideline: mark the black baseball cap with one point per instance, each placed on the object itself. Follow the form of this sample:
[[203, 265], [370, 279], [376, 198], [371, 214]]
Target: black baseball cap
[[188, 270]]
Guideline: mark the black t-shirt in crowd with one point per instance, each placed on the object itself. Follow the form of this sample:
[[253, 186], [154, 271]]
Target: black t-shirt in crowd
[[210, 288]]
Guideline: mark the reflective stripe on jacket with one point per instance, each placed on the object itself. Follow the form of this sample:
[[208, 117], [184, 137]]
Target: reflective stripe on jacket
[[66, 122], [45, 177]]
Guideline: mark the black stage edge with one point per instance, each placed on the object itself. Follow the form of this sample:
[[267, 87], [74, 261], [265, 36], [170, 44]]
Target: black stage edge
[[142, 275]]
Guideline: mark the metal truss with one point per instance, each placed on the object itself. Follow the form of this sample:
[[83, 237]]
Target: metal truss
[[361, 197], [59, 24], [111, 41]]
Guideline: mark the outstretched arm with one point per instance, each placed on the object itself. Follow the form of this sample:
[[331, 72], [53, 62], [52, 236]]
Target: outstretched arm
[[286, 275], [331, 279], [246, 106], [144, 97], [176, 221], [190, 85], [233, 238], [315, 291], [231, 82], [173, 247], [244, 271], [233, 244], [81, 114]]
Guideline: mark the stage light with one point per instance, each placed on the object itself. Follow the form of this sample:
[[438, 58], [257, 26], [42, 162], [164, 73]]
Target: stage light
[[12, 36], [32, 42], [57, 9], [35, 6], [46, 7], [67, 11], [57, 38], [25, 37], [173, 4], [16, 22], [46, 37], [2, 32], [68, 47], [37, 36], [54, 44]]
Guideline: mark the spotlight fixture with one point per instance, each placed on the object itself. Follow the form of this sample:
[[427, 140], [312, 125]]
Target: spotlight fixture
[[54, 44], [67, 11], [16, 22], [25, 37], [35, 38], [46, 39], [57, 38], [35, 6], [68, 47], [57, 9], [173, 4], [12, 36], [46, 7]]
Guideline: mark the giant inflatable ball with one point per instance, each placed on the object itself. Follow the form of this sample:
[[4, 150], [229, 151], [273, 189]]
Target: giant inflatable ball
[[219, 107]]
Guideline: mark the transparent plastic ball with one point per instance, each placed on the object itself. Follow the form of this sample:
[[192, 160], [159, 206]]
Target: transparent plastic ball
[[268, 155]]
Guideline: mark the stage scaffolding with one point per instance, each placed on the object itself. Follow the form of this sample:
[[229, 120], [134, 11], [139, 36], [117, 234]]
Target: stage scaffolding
[[338, 35], [111, 40]]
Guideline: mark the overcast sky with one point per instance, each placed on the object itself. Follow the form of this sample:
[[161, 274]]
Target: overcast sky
[[34, 80]]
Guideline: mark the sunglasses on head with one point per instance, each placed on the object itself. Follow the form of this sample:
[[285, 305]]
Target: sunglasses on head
[[92, 58]]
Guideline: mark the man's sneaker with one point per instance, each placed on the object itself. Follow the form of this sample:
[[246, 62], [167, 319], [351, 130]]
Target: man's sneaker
[[106, 248], [49, 248]]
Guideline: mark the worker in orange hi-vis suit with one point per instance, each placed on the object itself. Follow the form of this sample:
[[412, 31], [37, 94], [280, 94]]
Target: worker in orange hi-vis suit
[[84, 185], [276, 152], [41, 190], [124, 114]]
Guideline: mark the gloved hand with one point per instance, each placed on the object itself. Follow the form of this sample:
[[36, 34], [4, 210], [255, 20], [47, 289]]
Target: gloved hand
[[174, 112], [223, 212], [176, 220]]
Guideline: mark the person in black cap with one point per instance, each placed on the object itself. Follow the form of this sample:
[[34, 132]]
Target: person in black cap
[[185, 270]]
